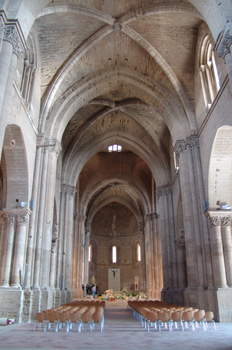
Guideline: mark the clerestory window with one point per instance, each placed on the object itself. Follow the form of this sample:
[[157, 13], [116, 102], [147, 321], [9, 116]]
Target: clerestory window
[[208, 72], [115, 148]]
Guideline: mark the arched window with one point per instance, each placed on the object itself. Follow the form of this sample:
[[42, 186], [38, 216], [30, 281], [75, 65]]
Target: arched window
[[208, 72], [138, 252], [90, 255], [114, 254]]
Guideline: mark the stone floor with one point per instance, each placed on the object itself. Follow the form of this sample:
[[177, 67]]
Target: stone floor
[[121, 331]]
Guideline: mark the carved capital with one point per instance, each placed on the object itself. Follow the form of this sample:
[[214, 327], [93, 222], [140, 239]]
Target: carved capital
[[55, 146], [68, 189], [224, 41], [218, 218], [164, 190], [22, 219], [190, 143], [10, 219], [11, 35]]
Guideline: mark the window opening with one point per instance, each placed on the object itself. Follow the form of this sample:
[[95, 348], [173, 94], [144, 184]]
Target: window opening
[[90, 253], [208, 72], [114, 254], [114, 148], [138, 252]]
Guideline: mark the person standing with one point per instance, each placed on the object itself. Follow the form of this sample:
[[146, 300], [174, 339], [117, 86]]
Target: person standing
[[94, 290]]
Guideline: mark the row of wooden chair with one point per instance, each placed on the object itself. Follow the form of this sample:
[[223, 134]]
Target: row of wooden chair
[[159, 314], [72, 314]]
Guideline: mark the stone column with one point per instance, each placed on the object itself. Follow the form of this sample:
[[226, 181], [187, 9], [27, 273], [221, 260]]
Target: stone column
[[86, 263], [148, 256], [227, 247], [61, 242], [11, 49], [53, 261], [54, 149], [40, 220], [162, 205], [31, 245], [157, 257], [20, 248], [191, 203], [80, 255], [217, 251], [9, 249], [31, 87], [181, 262], [69, 216], [74, 254]]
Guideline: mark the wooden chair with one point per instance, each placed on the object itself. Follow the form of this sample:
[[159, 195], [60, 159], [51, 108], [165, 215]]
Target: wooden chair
[[199, 318], [39, 320], [97, 318], [164, 319], [209, 318], [176, 318]]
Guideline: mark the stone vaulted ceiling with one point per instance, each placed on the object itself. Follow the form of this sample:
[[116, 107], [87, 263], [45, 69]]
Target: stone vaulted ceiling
[[118, 72]]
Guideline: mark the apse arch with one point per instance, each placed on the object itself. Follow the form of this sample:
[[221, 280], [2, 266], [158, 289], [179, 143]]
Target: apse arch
[[220, 169], [80, 156], [136, 201]]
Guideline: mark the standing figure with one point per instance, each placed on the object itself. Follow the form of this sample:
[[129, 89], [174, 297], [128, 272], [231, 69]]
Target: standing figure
[[94, 290]]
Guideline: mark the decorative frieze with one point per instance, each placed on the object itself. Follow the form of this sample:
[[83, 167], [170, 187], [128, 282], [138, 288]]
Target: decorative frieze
[[181, 146]]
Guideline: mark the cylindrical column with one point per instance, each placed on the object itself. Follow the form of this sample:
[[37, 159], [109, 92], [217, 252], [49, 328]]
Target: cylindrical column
[[217, 253], [31, 87], [69, 235], [32, 226], [39, 238], [227, 248], [61, 242], [80, 255], [9, 249], [87, 239], [20, 249], [148, 256], [49, 208], [53, 264], [188, 211]]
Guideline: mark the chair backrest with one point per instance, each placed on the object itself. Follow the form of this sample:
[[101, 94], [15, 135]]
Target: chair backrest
[[209, 316], [163, 316], [151, 316], [176, 316], [199, 315]]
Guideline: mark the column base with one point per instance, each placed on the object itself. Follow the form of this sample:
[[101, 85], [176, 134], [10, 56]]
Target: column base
[[218, 300]]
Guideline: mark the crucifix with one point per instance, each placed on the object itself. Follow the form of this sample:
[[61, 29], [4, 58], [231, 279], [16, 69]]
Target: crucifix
[[114, 272]]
